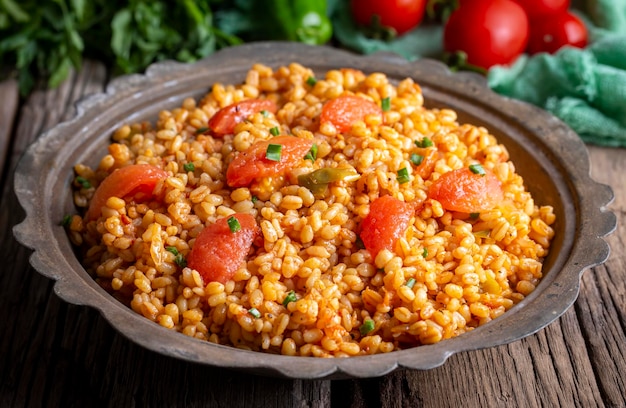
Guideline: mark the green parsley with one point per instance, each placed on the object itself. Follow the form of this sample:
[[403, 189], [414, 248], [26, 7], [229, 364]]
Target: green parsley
[[425, 142], [273, 152], [291, 297], [67, 220], [233, 224], [385, 104], [275, 131], [84, 183], [201, 130], [265, 113], [477, 169], [367, 327], [416, 159], [425, 253], [189, 167], [410, 283], [172, 249], [254, 312], [254, 199], [403, 175], [180, 260], [312, 154], [311, 81]]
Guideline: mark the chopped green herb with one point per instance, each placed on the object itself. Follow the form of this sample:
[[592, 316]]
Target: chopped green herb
[[477, 169], [359, 243], [84, 183], [291, 297], [367, 327], [189, 167], [201, 130], [425, 253], [180, 260], [474, 215], [254, 199], [386, 104], [403, 175], [312, 154], [265, 113], [311, 81], [425, 142], [416, 159], [67, 220], [275, 131], [318, 180], [233, 224], [410, 283], [273, 152], [172, 249], [254, 312]]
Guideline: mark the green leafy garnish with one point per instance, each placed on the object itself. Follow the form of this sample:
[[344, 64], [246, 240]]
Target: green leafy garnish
[[312, 154], [275, 131], [416, 159], [67, 220], [84, 183], [425, 253], [403, 175], [311, 81], [189, 167], [410, 283], [385, 104], [201, 130], [477, 169], [291, 297], [233, 224], [367, 327], [180, 260], [273, 152], [254, 312], [425, 142], [172, 249], [265, 113]]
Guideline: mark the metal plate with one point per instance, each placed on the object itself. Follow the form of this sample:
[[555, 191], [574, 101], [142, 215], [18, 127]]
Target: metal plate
[[551, 158]]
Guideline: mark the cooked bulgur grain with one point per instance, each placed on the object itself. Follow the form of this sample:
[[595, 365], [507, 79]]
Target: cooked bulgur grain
[[306, 285]]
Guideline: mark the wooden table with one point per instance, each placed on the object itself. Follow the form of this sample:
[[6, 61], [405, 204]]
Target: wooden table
[[56, 354]]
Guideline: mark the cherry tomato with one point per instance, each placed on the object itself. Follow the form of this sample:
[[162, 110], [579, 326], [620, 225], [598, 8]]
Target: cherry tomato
[[253, 163], [550, 34], [537, 9], [219, 250], [343, 111], [133, 180], [225, 119], [465, 191], [385, 223], [490, 32], [401, 15]]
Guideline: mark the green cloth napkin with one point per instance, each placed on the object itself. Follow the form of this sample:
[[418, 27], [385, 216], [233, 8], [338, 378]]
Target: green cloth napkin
[[585, 88]]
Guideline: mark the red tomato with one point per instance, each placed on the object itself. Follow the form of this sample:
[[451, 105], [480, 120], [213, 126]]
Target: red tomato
[[225, 119], [462, 190], [133, 180], [550, 34], [253, 164], [401, 15], [386, 222], [490, 32], [537, 9], [218, 252], [343, 111]]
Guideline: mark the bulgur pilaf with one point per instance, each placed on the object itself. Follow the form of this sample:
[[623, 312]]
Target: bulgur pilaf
[[309, 280]]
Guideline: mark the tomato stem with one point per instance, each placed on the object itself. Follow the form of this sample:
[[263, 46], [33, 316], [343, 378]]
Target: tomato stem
[[457, 61]]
